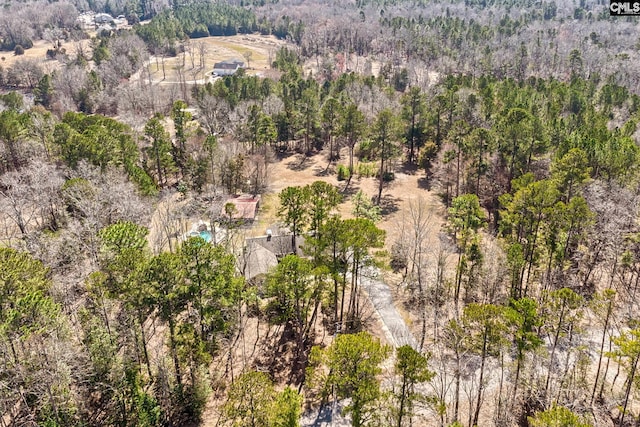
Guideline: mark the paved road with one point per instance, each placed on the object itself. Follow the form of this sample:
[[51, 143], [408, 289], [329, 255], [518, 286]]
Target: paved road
[[393, 325]]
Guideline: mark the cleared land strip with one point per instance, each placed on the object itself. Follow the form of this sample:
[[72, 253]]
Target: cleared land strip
[[395, 329]]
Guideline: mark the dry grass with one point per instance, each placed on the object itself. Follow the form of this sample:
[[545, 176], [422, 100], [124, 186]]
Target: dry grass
[[219, 48], [267, 215], [262, 49], [397, 197], [38, 52]]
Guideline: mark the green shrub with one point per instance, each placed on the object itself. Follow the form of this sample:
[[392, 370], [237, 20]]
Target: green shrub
[[367, 169], [343, 173], [100, 54], [132, 18], [427, 155], [200, 30], [19, 50], [171, 51], [365, 150], [363, 207]]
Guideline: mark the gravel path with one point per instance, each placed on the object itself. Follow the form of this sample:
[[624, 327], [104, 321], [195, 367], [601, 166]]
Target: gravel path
[[395, 329]]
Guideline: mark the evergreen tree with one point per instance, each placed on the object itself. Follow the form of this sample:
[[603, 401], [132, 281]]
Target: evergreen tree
[[558, 416], [43, 92], [412, 368], [160, 149], [331, 114], [464, 221], [294, 211], [352, 127], [384, 138], [352, 365], [414, 115]]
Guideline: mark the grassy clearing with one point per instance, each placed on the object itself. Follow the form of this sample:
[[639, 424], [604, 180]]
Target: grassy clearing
[[217, 49], [267, 215], [37, 52], [257, 56]]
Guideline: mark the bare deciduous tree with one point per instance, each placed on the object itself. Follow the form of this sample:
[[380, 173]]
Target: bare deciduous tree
[[214, 112], [416, 234], [202, 53], [30, 197], [25, 73]]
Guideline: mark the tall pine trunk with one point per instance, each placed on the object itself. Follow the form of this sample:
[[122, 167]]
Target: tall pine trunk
[[483, 358], [174, 351], [627, 392], [601, 353]]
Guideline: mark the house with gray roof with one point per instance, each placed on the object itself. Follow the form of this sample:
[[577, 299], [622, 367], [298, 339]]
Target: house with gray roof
[[263, 253], [227, 68]]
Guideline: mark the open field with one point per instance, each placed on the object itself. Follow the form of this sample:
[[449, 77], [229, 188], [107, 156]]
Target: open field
[[260, 51], [38, 52], [406, 189]]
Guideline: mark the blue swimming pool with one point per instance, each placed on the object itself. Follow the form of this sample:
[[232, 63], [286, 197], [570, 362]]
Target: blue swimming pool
[[206, 235]]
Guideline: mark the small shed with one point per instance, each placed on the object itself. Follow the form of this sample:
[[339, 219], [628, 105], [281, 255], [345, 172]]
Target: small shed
[[245, 207]]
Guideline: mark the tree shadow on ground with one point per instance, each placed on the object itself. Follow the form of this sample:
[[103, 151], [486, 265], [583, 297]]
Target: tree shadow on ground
[[349, 188], [424, 183], [299, 163], [329, 169], [281, 153], [276, 351], [389, 204], [322, 171], [325, 415], [409, 168], [278, 354]]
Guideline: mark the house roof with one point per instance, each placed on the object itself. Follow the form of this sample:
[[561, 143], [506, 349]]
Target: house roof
[[279, 245], [259, 260], [225, 66], [229, 64], [235, 61], [103, 18], [262, 253], [246, 207]]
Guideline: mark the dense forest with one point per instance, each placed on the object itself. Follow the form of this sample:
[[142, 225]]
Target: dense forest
[[478, 161]]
